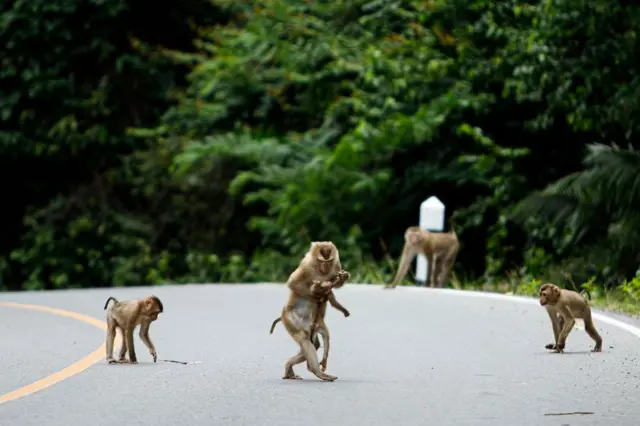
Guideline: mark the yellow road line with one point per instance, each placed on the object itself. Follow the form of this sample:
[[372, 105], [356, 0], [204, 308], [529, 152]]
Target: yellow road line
[[65, 373]]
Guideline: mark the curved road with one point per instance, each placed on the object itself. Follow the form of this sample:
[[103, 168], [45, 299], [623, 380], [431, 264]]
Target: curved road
[[411, 356]]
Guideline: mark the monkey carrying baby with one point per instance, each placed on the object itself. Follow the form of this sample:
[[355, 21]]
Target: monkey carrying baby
[[310, 287], [563, 307], [126, 315], [320, 327], [440, 249]]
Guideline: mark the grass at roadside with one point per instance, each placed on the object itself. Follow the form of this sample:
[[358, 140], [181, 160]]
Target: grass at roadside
[[623, 299]]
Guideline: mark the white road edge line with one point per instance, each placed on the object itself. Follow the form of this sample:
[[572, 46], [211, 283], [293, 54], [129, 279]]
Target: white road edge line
[[466, 293]]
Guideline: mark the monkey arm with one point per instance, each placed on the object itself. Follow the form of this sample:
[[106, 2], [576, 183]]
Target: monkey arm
[[299, 282], [144, 336], [321, 289], [408, 254], [555, 324], [334, 302], [569, 322]]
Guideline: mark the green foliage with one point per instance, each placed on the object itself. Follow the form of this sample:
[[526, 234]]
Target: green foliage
[[600, 206], [218, 151]]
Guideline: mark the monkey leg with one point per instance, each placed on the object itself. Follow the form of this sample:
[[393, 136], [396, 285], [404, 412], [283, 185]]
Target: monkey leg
[[557, 323], [568, 326], [309, 352], [592, 332], [111, 336], [128, 339], [316, 344], [447, 265], [123, 348], [289, 374], [324, 332], [432, 261]]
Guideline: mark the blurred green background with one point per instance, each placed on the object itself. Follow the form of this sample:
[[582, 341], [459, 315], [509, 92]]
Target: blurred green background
[[209, 141]]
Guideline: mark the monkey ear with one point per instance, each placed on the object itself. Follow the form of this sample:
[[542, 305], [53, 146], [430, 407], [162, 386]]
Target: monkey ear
[[556, 291]]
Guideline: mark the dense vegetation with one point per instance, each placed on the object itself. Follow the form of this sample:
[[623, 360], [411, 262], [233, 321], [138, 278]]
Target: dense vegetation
[[213, 141]]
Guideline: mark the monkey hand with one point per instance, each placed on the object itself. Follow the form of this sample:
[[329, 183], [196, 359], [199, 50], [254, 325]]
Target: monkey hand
[[346, 313], [559, 349], [343, 275], [154, 355], [319, 288], [550, 346]]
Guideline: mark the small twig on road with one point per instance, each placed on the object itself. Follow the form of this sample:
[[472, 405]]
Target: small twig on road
[[177, 362], [570, 414]]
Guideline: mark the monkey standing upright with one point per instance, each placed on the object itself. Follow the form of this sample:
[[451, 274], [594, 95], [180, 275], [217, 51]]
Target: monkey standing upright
[[563, 307], [308, 286], [320, 327], [127, 315], [440, 249]]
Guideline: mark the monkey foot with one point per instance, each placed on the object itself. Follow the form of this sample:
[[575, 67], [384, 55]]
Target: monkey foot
[[389, 287], [294, 377], [329, 378], [597, 349], [550, 346]]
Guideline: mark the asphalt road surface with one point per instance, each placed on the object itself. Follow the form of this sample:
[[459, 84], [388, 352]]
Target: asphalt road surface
[[410, 356]]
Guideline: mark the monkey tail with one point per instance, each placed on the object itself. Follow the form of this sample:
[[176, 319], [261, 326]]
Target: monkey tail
[[108, 300], [585, 291], [273, 326], [452, 223]]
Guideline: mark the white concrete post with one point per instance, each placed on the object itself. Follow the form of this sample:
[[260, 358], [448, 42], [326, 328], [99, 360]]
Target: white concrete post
[[431, 219]]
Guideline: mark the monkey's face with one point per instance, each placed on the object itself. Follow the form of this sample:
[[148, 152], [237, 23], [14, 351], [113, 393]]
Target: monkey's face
[[152, 310], [324, 266], [413, 236], [549, 294], [325, 253]]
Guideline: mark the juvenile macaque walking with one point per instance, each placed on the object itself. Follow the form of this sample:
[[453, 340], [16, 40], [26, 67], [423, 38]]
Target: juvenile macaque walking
[[440, 249], [563, 307], [126, 316]]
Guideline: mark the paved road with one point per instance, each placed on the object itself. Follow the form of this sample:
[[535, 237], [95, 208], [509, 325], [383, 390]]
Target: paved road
[[409, 357]]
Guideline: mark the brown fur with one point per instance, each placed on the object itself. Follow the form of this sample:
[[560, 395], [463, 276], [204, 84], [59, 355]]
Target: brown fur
[[126, 316], [440, 249], [563, 307], [320, 327], [309, 284]]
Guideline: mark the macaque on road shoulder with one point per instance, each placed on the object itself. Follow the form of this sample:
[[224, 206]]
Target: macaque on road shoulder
[[440, 249], [563, 307]]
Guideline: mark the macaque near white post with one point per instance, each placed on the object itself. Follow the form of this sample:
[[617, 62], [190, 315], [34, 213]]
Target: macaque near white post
[[431, 219]]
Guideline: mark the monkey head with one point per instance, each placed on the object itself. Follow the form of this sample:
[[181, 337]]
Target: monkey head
[[549, 294], [153, 307], [414, 235], [325, 254]]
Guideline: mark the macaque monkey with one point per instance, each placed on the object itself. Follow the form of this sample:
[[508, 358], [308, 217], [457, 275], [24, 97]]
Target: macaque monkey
[[563, 307], [440, 249], [320, 327], [308, 285], [126, 316]]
